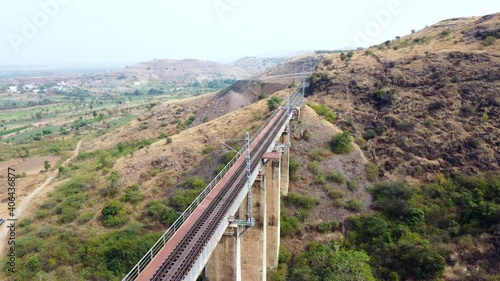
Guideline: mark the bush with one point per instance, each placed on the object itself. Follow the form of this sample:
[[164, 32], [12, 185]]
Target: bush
[[113, 214], [372, 171], [289, 226], [323, 111], [370, 134], [329, 227], [229, 156], [337, 177], [405, 125], [342, 143], [273, 103], [156, 209], [300, 201], [314, 168], [132, 195], [391, 198], [353, 185], [293, 166], [444, 33], [317, 155], [382, 98], [335, 193], [490, 40], [354, 205], [85, 217], [208, 149], [306, 135]]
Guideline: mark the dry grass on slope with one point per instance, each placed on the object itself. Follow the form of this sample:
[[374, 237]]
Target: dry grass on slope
[[173, 162], [163, 118]]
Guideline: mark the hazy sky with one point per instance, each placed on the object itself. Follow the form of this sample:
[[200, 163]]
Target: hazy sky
[[119, 32]]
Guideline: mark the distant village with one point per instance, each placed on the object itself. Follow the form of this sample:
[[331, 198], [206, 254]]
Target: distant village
[[34, 88]]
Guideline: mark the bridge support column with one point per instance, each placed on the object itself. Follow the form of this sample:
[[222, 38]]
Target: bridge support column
[[285, 175], [221, 265], [253, 241], [273, 202]]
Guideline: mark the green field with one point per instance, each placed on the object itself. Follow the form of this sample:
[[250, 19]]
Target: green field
[[30, 134]]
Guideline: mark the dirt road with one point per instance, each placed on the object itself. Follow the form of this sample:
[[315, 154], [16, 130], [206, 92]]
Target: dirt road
[[23, 205]]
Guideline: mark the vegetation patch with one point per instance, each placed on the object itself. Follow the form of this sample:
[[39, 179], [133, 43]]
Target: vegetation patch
[[323, 111], [342, 143]]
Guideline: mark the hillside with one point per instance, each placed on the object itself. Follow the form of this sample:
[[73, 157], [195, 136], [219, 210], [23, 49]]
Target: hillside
[[424, 104], [182, 71], [255, 65], [413, 195]]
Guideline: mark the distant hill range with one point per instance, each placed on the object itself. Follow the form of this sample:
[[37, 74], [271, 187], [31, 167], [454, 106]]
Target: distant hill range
[[191, 70]]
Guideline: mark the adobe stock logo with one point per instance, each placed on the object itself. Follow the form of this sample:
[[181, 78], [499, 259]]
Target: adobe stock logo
[[40, 19], [380, 19], [222, 7]]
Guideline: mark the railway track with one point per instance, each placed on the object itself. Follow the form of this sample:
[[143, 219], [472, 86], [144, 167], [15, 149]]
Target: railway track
[[185, 253]]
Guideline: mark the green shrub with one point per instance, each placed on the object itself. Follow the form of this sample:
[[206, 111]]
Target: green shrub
[[220, 168], [208, 149], [293, 166], [382, 98], [355, 205], [273, 103], [335, 193], [300, 201], [154, 172], [353, 185], [370, 134], [342, 143], [445, 33], [317, 155], [68, 214], [85, 217], [113, 214], [132, 195], [323, 111], [490, 40], [182, 199], [391, 198], [372, 171], [229, 156], [314, 168], [156, 209], [169, 217], [319, 179], [289, 226], [329, 226], [306, 135], [405, 125], [335, 176]]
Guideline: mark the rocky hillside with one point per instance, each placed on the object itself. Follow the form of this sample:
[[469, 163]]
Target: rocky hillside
[[422, 104]]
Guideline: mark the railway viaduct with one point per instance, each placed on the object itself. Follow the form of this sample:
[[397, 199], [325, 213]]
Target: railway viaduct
[[232, 230]]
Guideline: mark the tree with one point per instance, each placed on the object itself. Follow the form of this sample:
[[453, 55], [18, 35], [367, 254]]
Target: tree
[[94, 114], [38, 115], [46, 165], [273, 103]]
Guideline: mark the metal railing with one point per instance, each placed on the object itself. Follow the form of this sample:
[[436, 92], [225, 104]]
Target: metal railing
[[149, 256]]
